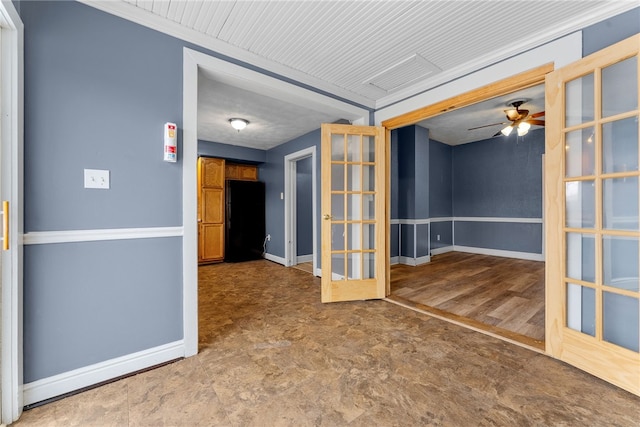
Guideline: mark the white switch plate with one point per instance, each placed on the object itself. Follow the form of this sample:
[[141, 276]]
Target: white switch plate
[[96, 178]]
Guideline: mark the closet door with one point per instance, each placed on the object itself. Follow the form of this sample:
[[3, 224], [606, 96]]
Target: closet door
[[210, 210]]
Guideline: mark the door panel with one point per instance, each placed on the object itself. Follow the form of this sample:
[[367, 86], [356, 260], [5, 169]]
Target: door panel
[[211, 209], [353, 206], [592, 208]]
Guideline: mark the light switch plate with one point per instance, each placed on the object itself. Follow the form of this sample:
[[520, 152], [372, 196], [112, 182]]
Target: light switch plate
[[96, 178]]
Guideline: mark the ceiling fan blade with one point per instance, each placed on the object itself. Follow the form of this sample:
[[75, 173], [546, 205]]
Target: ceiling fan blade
[[486, 126], [535, 122], [536, 115]]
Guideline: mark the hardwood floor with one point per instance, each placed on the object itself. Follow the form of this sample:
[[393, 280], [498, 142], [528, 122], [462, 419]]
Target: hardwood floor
[[503, 296], [305, 266]]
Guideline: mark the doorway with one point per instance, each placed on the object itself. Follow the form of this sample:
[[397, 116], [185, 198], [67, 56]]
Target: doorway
[[475, 278], [250, 80], [300, 208]]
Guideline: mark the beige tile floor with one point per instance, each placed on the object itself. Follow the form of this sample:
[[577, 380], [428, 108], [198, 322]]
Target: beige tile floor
[[272, 355]]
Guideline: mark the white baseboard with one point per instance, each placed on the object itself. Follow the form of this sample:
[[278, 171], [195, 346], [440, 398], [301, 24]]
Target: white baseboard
[[318, 272], [413, 261], [60, 384], [275, 258], [442, 250], [394, 260], [499, 252], [304, 258]]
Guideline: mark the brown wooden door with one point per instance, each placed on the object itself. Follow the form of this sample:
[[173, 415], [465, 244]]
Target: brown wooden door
[[592, 204], [354, 213], [210, 209]]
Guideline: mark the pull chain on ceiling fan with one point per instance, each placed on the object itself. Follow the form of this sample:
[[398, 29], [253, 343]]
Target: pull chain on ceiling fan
[[520, 120]]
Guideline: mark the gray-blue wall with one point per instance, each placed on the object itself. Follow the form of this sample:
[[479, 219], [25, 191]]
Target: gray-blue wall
[[98, 90], [272, 173], [304, 205], [231, 152], [440, 193], [608, 32], [499, 177]]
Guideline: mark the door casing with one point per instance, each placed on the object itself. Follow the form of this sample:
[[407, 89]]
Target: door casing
[[290, 215]]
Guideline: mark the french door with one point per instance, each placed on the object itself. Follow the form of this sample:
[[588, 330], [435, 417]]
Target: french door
[[353, 213], [592, 205]]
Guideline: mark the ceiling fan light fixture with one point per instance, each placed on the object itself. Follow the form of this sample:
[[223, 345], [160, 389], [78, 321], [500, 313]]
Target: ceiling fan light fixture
[[523, 128], [507, 130], [238, 124]]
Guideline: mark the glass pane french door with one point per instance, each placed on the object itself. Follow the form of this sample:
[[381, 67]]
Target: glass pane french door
[[594, 235], [353, 197]]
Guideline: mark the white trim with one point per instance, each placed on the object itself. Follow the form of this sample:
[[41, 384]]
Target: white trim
[[497, 219], [442, 219], [12, 128], [275, 259], [189, 202], [69, 236], [318, 272], [76, 379], [442, 250], [290, 217], [421, 221], [394, 260], [413, 261], [304, 258], [499, 252]]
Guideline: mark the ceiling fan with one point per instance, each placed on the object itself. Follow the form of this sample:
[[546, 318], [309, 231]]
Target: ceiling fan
[[520, 120]]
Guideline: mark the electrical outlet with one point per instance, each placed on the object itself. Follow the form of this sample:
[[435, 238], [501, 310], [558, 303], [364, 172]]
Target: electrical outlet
[[268, 237], [438, 237]]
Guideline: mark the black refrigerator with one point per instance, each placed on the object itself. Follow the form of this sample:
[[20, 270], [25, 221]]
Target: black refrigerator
[[245, 229]]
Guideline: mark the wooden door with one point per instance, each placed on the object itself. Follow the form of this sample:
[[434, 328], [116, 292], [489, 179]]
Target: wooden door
[[353, 207], [210, 210], [592, 205]]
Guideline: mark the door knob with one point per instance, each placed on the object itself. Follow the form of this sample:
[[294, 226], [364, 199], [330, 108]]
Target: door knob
[[327, 217]]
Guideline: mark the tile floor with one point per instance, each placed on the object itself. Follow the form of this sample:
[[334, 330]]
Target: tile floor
[[272, 355]]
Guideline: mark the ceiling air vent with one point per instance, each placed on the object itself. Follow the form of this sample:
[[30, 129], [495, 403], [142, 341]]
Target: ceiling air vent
[[402, 74]]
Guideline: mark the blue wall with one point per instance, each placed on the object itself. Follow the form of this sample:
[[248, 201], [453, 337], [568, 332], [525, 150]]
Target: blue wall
[[304, 205], [272, 173], [499, 177], [605, 33], [440, 193], [98, 90], [231, 152]]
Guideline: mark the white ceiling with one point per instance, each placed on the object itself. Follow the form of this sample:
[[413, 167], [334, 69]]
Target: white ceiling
[[371, 53], [271, 121]]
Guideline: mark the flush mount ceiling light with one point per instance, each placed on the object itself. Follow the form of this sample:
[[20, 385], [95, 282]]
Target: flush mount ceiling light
[[238, 124]]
